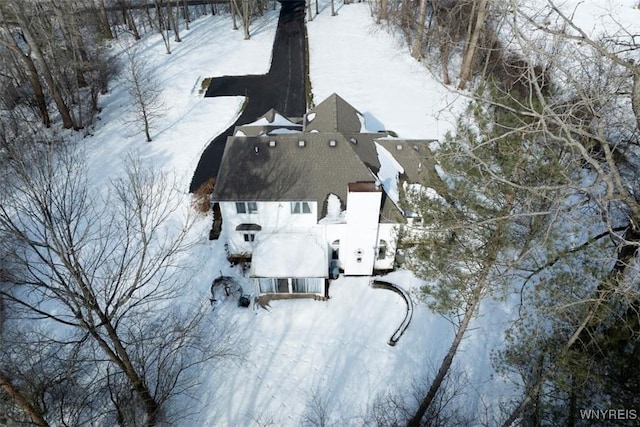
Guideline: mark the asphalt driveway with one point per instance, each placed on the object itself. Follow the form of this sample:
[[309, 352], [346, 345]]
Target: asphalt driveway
[[282, 88]]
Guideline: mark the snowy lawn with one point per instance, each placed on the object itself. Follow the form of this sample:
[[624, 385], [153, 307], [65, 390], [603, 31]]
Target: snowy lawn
[[336, 350]]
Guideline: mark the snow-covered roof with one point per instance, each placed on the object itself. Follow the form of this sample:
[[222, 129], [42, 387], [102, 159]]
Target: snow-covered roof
[[273, 118], [389, 173], [335, 214], [290, 255]]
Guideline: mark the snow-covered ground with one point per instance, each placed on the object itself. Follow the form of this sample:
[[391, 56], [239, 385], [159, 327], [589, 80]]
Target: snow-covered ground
[[302, 350]]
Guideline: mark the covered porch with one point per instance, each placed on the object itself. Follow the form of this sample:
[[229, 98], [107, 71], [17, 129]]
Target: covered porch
[[290, 263]]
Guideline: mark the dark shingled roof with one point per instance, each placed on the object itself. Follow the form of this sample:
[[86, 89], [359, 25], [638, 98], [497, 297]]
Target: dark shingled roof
[[334, 114], [252, 170], [334, 154], [413, 155]]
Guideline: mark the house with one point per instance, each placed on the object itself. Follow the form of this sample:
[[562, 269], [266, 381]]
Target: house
[[299, 195]]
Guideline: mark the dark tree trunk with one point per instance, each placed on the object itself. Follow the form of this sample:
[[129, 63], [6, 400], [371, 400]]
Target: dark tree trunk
[[104, 19], [37, 418]]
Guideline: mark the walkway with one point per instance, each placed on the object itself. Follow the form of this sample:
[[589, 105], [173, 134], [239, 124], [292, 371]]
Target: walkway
[[381, 284]]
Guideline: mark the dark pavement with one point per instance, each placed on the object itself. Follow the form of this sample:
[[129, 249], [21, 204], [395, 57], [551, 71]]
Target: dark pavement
[[282, 88]]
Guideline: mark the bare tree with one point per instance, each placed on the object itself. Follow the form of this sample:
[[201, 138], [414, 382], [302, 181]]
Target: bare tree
[[128, 18], [104, 19], [146, 94], [173, 22], [416, 51], [21, 401], [30, 69], [47, 380], [476, 27], [245, 10], [570, 99], [107, 266], [35, 51], [164, 26], [55, 56], [383, 10]]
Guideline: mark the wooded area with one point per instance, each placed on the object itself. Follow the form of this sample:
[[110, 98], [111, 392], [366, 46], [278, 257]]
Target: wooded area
[[540, 200], [85, 277]]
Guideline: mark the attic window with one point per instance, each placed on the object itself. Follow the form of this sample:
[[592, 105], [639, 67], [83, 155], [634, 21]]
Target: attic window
[[272, 143], [332, 143], [399, 147], [301, 143], [353, 141]]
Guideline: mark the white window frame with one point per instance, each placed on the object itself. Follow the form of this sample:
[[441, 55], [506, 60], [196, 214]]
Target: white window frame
[[300, 208], [246, 207]]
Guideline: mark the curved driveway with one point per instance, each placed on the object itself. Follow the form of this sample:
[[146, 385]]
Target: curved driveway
[[282, 88]]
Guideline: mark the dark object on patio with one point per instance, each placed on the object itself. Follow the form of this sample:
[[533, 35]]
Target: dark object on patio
[[221, 280], [244, 300], [231, 289]]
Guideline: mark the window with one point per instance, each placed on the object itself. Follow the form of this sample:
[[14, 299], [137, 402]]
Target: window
[[249, 231], [311, 285], [246, 207], [267, 285], [300, 207], [382, 249]]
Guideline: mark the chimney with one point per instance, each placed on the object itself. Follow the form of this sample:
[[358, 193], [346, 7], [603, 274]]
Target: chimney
[[363, 214]]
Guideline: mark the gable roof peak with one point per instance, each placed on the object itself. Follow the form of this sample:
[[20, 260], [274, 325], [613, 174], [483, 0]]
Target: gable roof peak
[[334, 114]]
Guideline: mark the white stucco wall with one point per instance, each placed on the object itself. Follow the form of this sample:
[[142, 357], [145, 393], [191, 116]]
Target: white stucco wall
[[388, 233], [363, 232], [359, 248], [271, 216]]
